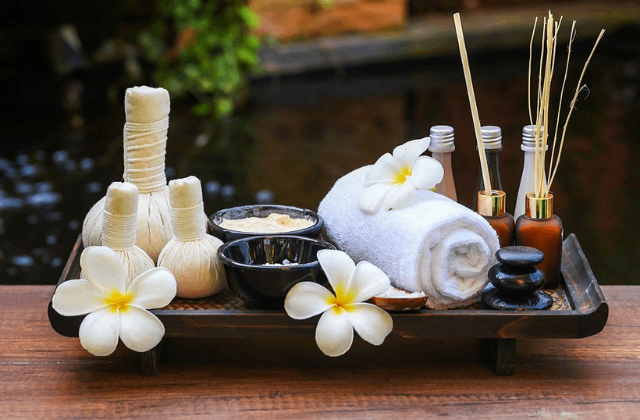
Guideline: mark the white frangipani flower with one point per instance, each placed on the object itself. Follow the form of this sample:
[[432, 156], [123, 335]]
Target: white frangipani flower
[[344, 311], [392, 181], [113, 309]]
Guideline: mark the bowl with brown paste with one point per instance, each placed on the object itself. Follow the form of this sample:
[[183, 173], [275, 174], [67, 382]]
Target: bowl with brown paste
[[269, 219]]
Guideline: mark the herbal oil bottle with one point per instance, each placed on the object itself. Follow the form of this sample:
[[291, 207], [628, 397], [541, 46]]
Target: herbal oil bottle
[[540, 228], [492, 140], [527, 181], [492, 208], [441, 147]]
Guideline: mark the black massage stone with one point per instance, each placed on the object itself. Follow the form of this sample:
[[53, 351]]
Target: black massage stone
[[515, 282]]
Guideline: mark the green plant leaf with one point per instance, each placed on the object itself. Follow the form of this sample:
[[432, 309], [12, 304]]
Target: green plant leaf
[[194, 4], [248, 17], [192, 71], [202, 109], [151, 45], [224, 106], [252, 41], [247, 56], [207, 84]]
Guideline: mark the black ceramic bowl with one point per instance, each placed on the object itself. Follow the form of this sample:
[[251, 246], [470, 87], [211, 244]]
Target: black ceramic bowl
[[265, 210], [265, 286]]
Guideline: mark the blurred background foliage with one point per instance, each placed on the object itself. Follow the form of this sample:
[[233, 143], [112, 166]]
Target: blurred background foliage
[[204, 49]]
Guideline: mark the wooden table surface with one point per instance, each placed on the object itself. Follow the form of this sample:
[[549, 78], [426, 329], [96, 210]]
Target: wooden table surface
[[44, 375]]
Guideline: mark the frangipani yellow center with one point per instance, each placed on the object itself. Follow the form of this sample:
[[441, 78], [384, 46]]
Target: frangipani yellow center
[[117, 301], [343, 300], [402, 175]]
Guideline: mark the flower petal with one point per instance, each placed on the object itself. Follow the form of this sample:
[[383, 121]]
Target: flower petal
[[372, 197], [334, 333], [367, 281], [77, 297], [102, 267], [307, 299], [383, 171], [426, 173], [99, 332], [154, 288], [371, 323], [140, 330], [338, 267], [400, 196], [407, 153]]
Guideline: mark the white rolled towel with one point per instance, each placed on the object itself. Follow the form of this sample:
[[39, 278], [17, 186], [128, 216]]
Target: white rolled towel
[[435, 245]]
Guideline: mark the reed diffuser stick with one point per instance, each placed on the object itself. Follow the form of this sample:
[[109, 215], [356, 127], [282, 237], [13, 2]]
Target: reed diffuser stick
[[533, 34], [538, 133], [564, 81], [546, 95], [571, 107], [550, 30], [472, 103]]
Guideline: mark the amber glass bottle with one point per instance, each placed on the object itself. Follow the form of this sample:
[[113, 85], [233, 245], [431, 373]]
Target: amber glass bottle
[[540, 228], [492, 208]]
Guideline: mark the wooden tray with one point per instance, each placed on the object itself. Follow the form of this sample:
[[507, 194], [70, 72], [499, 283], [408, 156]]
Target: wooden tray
[[580, 310]]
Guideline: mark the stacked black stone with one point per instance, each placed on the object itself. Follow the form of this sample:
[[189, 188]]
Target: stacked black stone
[[516, 282]]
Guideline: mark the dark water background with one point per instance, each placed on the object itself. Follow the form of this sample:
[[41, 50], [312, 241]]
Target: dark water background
[[296, 135]]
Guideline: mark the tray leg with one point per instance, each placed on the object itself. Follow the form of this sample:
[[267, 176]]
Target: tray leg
[[501, 354], [149, 362]]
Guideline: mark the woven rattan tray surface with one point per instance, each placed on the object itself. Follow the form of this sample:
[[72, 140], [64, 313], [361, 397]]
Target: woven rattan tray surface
[[227, 301]]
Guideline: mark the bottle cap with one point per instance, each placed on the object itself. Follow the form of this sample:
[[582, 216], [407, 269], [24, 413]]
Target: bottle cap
[[492, 137], [492, 205], [529, 140], [441, 139], [539, 207]]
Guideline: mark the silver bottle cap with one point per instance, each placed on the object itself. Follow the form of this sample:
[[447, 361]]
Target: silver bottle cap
[[492, 137], [441, 139], [528, 138]]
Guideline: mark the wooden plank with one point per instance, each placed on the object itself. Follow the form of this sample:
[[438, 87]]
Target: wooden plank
[[44, 375], [433, 36], [287, 20]]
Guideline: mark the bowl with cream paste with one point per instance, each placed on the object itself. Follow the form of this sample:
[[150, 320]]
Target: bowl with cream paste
[[264, 219]]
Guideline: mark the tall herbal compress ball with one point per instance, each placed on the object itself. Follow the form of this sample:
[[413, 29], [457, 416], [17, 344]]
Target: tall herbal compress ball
[[145, 140], [119, 229], [192, 254]]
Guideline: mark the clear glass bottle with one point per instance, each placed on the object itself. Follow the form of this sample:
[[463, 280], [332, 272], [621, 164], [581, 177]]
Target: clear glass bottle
[[527, 181], [441, 147], [492, 141], [492, 208], [540, 228]]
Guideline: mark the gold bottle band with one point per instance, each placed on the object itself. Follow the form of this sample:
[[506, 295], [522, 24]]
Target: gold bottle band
[[539, 207], [491, 205]]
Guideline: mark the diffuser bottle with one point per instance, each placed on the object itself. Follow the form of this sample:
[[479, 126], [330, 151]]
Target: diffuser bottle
[[540, 228], [527, 181], [441, 147], [492, 208], [492, 141]]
